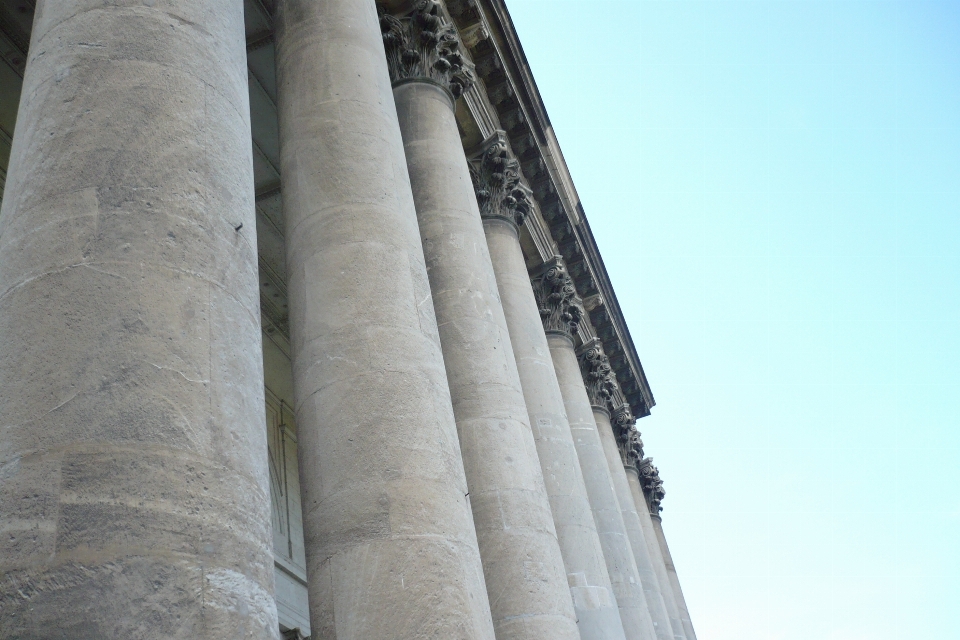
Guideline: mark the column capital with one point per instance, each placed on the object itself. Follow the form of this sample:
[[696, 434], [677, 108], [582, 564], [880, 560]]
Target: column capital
[[423, 45], [496, 176], [560, 306], [652, 485], [628, 437], [598, 375]]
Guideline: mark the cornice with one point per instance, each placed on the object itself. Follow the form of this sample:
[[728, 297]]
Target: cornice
[[509, 99]]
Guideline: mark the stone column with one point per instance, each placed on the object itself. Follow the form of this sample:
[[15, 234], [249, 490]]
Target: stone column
[[622, 445], [656, 556], [503, 203], [390, 543], [521, 557], [554, 284], [134, 496], [654, 494]]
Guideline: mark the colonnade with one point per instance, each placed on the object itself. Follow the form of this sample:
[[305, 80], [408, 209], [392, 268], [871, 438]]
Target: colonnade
[[469, 468]]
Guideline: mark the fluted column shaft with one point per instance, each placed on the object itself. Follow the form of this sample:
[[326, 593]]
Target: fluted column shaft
[[134, 496], [656, 557], [603, 500], [631, 520], [521, 557], [674, 580], [390, 544]]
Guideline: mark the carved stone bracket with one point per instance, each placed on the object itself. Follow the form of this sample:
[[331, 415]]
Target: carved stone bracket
[[597, 375], [560, 306], [652, 486], [496, 179], [424, 45]]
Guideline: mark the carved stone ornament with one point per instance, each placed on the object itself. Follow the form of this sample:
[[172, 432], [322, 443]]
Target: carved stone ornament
[[652, 485], [631, 450], [628, 438], [597, 375], [560, 306], [621, 417], [496, 179], [424, 45]]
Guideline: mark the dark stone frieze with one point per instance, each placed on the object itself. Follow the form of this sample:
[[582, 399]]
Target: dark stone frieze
[[497, 181], [424, 45], [598, 376], [652, 485], [560, 306]]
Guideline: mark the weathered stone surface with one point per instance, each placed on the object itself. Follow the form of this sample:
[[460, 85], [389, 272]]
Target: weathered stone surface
[[651, 588], [390, 543], [424, 46], [522, 563], [133, 482], [603, 500], [596, 607], [656, 556], [674, 580]]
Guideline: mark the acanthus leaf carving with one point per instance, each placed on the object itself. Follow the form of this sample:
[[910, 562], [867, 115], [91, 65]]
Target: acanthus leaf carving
[[628, 438], [598, 376], [632, 450], [652, 485], [560, 307], [497, 181], [424, 45]]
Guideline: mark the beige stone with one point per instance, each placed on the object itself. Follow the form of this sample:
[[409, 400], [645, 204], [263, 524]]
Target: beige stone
[[133, 476], [603, 500], [390, 544], [674, 580], [631, 520], [596, 606], [656, 558], [522, 563]]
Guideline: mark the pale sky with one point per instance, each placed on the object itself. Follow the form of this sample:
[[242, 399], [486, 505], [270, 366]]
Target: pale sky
[[775, 189]]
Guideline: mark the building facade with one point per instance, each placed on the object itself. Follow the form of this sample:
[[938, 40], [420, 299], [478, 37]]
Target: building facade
[[303, 331]]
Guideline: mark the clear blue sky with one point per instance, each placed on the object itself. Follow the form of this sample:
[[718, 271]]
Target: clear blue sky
[[775, 188]]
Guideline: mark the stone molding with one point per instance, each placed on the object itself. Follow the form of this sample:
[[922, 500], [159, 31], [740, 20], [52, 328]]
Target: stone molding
[[424, 45], [498, 183], [598, 376], [560, 306], [652, 485], [507, 97]]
